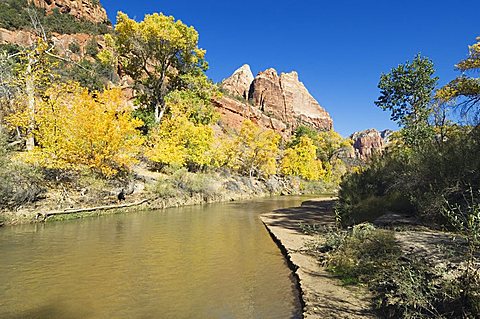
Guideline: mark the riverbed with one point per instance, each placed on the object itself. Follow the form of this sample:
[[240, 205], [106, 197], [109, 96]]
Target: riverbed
[[211, 261]]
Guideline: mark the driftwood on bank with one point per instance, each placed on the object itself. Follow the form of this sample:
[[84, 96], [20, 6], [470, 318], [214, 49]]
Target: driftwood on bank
[[44, 216]]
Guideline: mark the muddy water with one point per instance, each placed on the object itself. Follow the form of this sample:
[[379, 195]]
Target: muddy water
[[215, 261]]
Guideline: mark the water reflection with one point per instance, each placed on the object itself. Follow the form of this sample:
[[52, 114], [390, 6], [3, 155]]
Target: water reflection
[[215, 261]]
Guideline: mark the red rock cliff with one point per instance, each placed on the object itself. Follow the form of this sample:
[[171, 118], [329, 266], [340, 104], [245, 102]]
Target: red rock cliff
[[90, 10], [369, 142], [278, 98]]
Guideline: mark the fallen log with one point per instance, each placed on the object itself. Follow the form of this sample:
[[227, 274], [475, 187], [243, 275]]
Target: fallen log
[[90, 209]]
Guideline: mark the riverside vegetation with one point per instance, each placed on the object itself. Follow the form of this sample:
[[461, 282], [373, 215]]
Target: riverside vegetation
[[75, 136], [429, 174], [70, 135]]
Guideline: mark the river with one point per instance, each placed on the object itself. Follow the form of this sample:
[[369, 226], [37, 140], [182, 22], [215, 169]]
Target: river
[[211, 261]]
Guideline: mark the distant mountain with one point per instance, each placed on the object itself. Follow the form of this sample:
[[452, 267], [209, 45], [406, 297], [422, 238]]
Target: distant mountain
[[280, 102], [370, 141]]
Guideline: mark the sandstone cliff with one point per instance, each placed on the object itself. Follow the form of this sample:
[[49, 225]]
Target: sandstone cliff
[[238, 84], [369, 142], [280, 102], [233, 112], [62, 42], [89, 10]]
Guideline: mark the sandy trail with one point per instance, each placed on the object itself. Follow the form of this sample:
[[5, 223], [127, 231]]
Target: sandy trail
[[324, 295]]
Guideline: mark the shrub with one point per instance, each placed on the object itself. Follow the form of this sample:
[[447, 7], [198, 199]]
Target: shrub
[[20, 183], [91, 48], [419, 181], [415, 288], [74, 47], [92, 75], [183, 182], [363, 252], [165, 189], [195, 183], [402, 286], [14, 15]]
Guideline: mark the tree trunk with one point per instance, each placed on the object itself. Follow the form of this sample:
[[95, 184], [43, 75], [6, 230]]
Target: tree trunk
[[159, 112], [30, 90], [91, 209]]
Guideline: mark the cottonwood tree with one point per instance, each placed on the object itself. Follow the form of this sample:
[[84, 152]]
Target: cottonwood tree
[[407, 92], [185, 135], [28, 74], [255, 151], [76, 129], [156, 53], [464, 91], [301, 160]]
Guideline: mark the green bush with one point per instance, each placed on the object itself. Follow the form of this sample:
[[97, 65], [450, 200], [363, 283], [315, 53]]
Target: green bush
[[184, 183], [92, 75], [195, 183], [414, 288], [362, 253], [165, 189], [10, 48], [316, 187], [414, 181], [74, 47], [366, 195], [91, 48]]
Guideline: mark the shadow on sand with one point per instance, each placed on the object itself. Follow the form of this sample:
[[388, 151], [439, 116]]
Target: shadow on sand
[[311, 212]]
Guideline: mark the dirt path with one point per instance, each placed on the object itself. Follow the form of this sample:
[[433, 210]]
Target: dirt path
[[324, 296]]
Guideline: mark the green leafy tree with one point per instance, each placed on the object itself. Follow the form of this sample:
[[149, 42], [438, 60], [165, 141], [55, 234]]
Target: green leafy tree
[[157, 53], [407, 93]]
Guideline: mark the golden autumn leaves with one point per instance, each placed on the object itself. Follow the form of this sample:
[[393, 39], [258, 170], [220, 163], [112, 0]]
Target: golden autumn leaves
[[75, 129]]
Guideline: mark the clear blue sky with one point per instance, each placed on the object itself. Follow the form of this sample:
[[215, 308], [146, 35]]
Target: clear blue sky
[[338, 47]]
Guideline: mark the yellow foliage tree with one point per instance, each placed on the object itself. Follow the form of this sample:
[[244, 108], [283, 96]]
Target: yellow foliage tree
[[464, 91], [25, 77], [301, 160], [330, 145], [185, 137], [156, 53], [179, 142], [75, 128], [255, 151]]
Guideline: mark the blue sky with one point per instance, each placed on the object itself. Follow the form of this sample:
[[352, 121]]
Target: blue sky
[[339, 48]]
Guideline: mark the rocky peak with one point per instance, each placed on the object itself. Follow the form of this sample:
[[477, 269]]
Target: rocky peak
[[286, 98], [90, 10], [302, 104], [369, 142], [238, 84], [280, 102]]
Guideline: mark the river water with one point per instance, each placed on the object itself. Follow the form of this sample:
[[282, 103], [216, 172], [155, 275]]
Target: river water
[[212, 261]]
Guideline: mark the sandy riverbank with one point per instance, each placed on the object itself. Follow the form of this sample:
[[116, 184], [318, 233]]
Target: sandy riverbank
[[323, 295]]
